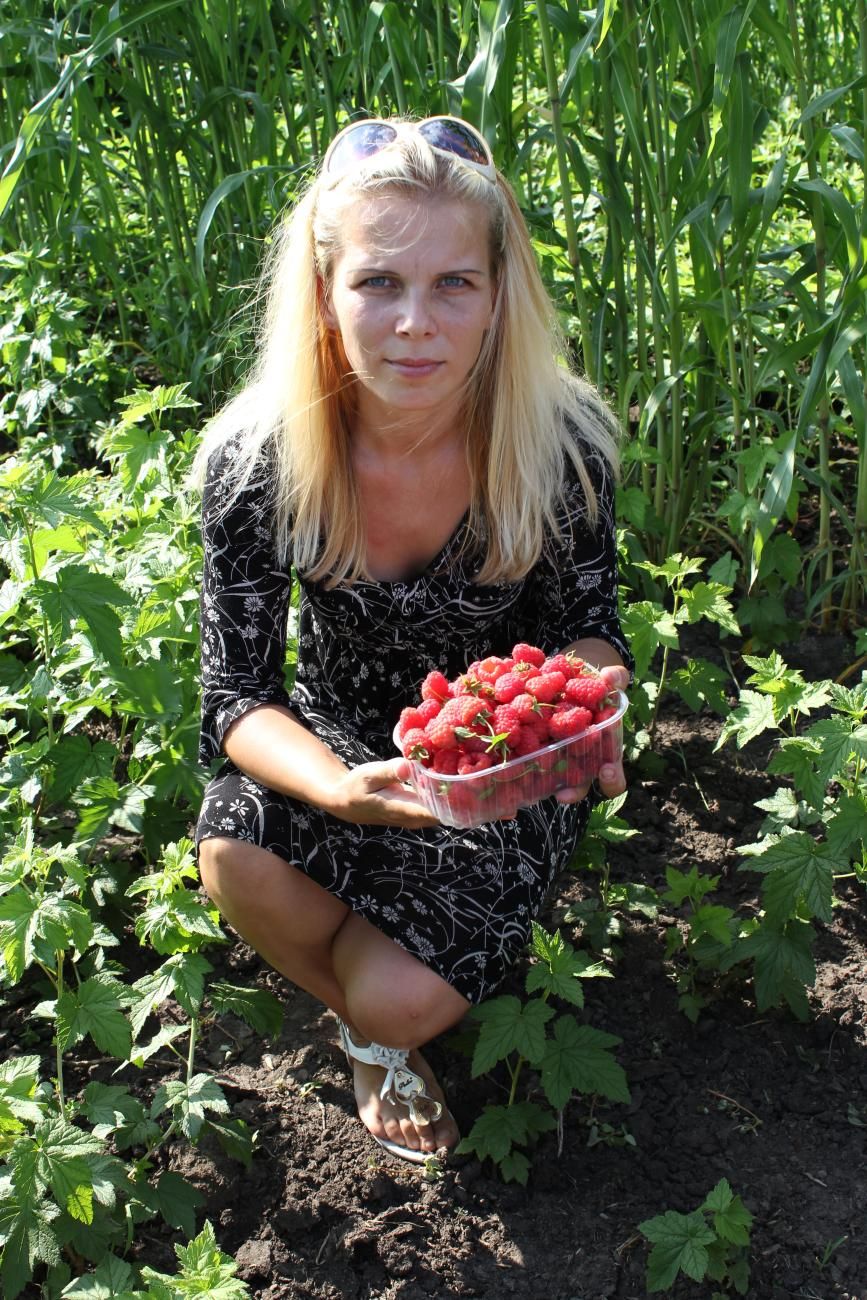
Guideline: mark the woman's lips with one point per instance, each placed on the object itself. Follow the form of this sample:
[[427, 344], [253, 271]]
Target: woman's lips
[[415, 369]]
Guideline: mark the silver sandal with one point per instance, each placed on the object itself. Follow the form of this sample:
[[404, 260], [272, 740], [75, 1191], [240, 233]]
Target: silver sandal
[[401, 1086]]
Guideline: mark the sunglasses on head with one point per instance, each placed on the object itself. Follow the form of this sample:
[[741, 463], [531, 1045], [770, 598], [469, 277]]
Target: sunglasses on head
[[447, 135]]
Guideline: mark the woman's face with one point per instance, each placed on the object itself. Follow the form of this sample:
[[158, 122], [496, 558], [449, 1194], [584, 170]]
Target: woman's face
[[411, 296]]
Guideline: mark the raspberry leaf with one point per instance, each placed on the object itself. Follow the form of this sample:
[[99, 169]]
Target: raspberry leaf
[[731, 1218], [578, 1060], [508, 1026], [680, 1244], [797, 867]]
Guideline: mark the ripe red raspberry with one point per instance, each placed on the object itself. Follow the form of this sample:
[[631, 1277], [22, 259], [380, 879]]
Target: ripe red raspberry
[[505, 718], [471, 763], [560, 664], [528, 742], [409, 720], [445, 761], [435, 687], [602, 714], [527, 708], [547, 687], [415, 745], [569, 722], [492, 668], [589, 690], [428, 709], [441, 734], [528, 654], [508, 686]]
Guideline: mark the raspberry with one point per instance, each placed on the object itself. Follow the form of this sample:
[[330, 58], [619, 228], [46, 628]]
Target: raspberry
[[608, 712], [492, 668], [564, 664], [588, 690], [528, 743], [415, 744], [445, 761], [528, 654], [527, 708], [546, 686], [409, 720], [508, 686], [435, 687], [440, 734], [471, 763], [506, 720], [569, 722], [428, 709]]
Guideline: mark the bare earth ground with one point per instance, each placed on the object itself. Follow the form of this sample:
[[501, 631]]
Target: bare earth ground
[[777, 1107]]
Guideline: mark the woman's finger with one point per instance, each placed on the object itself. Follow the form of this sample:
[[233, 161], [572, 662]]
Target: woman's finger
[[611, 780]]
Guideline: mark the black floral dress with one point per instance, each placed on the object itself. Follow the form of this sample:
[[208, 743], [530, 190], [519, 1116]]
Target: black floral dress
[[461, 901]]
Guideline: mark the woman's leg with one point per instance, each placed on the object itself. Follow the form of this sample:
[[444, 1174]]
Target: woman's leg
[[313, 939]]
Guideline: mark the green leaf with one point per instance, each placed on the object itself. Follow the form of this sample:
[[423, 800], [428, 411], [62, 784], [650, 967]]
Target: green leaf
[[205, 1271], [19, 1079], [73, 761], [103, 802], [714, 921], [839, 742], [753, 715], [178, 1201], [144, 1051], [700, 682], [687, 885], [731, 1218], [560, 968], [112, 1279], [498, 1128], [680, 1244], [798, 758], [847, 825], [95, 1008], [783, 963], [191, 1102], [29, 1239], [17, 911], [797, 868], [578, 1059], [648, 626], [234, 1137], [179, 923], [508, 1026], [514, 1168], [79, 594], [108, 1107], [258, 1007], [708, 600]]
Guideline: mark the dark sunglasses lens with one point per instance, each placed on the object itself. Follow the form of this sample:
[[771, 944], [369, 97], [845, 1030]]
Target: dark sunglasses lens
[[362, 141], [453, 137]]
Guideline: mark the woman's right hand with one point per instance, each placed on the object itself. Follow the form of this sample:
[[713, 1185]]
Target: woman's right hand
[[372, 794]]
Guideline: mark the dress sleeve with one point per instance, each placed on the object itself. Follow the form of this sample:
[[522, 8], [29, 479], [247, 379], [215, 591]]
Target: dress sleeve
[[244, 604], [573, 588]]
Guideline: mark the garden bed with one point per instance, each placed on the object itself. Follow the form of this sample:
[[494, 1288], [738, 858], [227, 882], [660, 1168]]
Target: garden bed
[[775, 1106]]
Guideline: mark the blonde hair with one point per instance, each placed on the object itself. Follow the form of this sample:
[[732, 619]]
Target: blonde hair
[[523, 406]]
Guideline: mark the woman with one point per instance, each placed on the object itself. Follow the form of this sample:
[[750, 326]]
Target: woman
[[410, 442]]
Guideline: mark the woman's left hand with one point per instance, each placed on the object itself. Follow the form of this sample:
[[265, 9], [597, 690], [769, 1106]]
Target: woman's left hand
[[611, 780]]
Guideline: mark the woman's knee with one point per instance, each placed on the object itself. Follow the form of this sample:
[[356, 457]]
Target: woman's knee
[[403, 1012]]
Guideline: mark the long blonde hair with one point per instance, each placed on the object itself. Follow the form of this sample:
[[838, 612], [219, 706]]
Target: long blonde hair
[[523, 406]]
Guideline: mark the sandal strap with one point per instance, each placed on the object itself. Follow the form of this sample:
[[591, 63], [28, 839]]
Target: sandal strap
[[401, 1085]]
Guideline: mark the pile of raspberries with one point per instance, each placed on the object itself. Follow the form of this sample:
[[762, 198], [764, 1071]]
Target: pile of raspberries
[[500, 709]]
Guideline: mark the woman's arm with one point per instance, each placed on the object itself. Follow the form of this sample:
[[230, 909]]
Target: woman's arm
[[272, 747]]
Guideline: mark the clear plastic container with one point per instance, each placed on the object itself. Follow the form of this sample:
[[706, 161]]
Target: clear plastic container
[[498, 792]]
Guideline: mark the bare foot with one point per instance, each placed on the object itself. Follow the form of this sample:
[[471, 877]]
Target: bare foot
[[393, 1122]]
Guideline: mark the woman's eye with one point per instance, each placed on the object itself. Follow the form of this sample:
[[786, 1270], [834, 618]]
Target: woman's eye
[[378, 282], [453, 281]]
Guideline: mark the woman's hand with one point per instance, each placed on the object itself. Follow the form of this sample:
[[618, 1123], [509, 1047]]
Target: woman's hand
[[372, 794], [611, 780]]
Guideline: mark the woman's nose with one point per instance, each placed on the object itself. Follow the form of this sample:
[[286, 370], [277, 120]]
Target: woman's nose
[[415, 317]]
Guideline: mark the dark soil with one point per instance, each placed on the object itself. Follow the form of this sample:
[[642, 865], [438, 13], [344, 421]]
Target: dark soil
[[775, 1106]]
